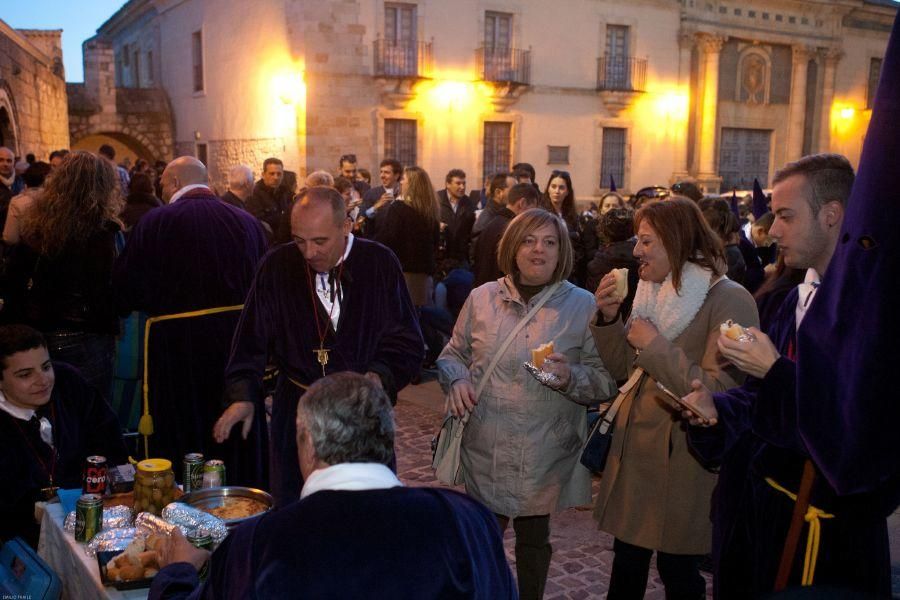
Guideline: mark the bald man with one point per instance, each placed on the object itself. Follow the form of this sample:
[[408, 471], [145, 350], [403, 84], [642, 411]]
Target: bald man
[[194, 255]]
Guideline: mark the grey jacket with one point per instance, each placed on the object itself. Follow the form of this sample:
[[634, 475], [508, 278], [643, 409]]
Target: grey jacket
[[521, 446]]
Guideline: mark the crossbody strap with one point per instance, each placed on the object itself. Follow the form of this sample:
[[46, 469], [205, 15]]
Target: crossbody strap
[[512, 334], [609, 416]]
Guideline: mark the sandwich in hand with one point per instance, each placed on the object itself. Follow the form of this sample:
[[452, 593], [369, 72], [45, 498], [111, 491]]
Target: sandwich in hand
[[539, 354], [621, 276]]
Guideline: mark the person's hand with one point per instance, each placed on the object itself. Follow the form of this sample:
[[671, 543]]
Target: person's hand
[[640, 333], [386, 198], [177, 549], [461, 398], [558, 364], [752, 357], [241, 411], [374, 378], [701, 399], [607, 302]]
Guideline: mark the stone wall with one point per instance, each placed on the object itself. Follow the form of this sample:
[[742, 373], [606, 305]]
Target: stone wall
[[139, 118], [33, 91], [224, 154]]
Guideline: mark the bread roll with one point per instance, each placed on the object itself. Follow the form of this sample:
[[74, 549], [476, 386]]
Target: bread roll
[[540, 353], [731, 330], [621, 276]]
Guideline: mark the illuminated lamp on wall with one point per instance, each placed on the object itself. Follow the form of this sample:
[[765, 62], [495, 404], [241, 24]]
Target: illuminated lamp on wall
[[290, 88]]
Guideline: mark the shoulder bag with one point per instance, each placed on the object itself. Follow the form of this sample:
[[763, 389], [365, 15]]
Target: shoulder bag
[[599, 439], [445, 445]]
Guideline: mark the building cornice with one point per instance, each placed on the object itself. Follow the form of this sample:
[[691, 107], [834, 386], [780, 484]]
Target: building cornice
[[23, 42]]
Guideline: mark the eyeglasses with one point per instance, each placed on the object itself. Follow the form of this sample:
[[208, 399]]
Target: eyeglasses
[[350, 158]]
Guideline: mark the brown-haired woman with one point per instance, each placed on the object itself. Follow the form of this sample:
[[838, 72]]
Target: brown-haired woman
[[70, 237], [654, 495], [559, 198], [520, 448], [411, 229]]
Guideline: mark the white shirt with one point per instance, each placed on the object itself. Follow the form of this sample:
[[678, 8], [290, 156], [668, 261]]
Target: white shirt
[[323, 289], [186, 189], [807, 291], [350, 477], [26, 414]]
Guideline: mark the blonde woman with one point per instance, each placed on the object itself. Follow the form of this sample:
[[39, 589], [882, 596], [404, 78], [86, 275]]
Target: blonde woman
[[520, 449], [411, 229]]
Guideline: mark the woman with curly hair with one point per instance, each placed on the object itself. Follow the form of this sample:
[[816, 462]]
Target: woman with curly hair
[[69, 242], [412, 230]]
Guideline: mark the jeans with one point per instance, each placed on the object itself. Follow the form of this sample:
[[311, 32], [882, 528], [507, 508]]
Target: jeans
[[631, 565], [91, 353]]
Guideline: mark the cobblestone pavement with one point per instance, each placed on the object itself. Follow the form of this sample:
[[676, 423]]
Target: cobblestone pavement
[[582, 555]]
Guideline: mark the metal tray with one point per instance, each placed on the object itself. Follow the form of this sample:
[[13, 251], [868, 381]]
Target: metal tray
[[207, 498]]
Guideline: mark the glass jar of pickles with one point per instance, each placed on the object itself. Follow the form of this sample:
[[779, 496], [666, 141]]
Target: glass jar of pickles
[[154, 485]]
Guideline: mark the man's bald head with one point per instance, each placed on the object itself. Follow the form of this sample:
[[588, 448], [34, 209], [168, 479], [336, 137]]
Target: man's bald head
[[320, 227], [321, 198], [181, 172]]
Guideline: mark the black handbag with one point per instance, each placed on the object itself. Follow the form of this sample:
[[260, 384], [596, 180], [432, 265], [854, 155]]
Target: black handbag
[[599, 439]]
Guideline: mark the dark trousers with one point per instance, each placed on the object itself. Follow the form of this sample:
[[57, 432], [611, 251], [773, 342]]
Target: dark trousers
[[533, 552], [91, 353], [631, 566]]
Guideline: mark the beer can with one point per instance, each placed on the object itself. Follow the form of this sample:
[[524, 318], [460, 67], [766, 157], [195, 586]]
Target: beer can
[[94, 475], [88, 517], [192, 474], [213, 473]]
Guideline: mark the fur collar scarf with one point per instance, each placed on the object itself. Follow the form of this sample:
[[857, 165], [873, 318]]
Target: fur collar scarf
[[669, 310]]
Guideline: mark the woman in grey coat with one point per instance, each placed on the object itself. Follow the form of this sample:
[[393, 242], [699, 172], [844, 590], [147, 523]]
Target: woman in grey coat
[[520, 448]]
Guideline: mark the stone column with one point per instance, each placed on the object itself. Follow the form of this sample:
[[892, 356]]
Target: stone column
[[829, 58], [797, 121], [711, 46], [100, 73], [685, 46]]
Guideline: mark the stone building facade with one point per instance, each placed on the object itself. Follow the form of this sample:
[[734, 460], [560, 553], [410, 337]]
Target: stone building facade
[[643, 92], [33, 117]]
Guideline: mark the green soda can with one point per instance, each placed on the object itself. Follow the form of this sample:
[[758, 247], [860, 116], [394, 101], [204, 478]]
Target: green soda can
[[192, 474], [213, 473], [88, 517]]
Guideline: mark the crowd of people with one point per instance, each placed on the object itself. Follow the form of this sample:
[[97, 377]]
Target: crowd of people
[[283, 317]]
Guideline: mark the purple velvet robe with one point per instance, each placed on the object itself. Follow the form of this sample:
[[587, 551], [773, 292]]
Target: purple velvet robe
[[757, 438], [416, 543], [378, 331], [847, 408], [196, 253]]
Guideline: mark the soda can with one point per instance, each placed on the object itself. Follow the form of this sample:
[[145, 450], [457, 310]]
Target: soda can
[[88, 517], [213, 473], [95, 475], [192, 475]]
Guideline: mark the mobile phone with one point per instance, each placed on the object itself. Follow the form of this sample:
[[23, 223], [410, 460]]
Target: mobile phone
[[677, 400]]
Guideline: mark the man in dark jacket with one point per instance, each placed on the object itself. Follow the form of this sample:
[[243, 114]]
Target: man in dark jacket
[[10, 183], [457, 216], [356, 531], [271, 196], [518, 197], [240, 186]]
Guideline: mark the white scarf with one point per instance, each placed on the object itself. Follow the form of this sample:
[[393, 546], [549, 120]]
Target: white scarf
[[350, 476], [8, 182], [669, 310]]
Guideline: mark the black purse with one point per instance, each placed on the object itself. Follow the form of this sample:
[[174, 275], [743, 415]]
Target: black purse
[[599, 439]]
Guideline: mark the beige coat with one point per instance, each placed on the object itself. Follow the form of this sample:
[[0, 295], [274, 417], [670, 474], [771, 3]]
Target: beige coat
[[521, 447], [654, 494]]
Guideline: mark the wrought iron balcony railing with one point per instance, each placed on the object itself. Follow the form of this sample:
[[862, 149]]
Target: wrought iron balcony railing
[[504, 65], [621, 74], [402, 58]]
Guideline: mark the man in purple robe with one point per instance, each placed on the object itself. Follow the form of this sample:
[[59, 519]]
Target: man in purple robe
[[325, 302], [757, 440], [183, 261]]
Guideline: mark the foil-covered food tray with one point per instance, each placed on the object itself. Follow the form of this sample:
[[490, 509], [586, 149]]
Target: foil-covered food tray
[[221, 499]]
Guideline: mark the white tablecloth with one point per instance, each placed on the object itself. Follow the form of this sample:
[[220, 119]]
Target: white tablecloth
[[79, 572]]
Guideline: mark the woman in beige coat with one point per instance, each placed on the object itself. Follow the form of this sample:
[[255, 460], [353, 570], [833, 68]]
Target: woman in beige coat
[[520, 448], [654, 494]]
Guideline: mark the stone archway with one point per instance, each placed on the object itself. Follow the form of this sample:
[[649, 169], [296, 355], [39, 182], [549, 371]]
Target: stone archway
[[126, 146], [9, 131]]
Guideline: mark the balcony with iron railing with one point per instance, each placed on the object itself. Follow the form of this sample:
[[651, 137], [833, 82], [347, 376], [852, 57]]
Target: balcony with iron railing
[[402, 58], [621, 74], [504, 65]]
